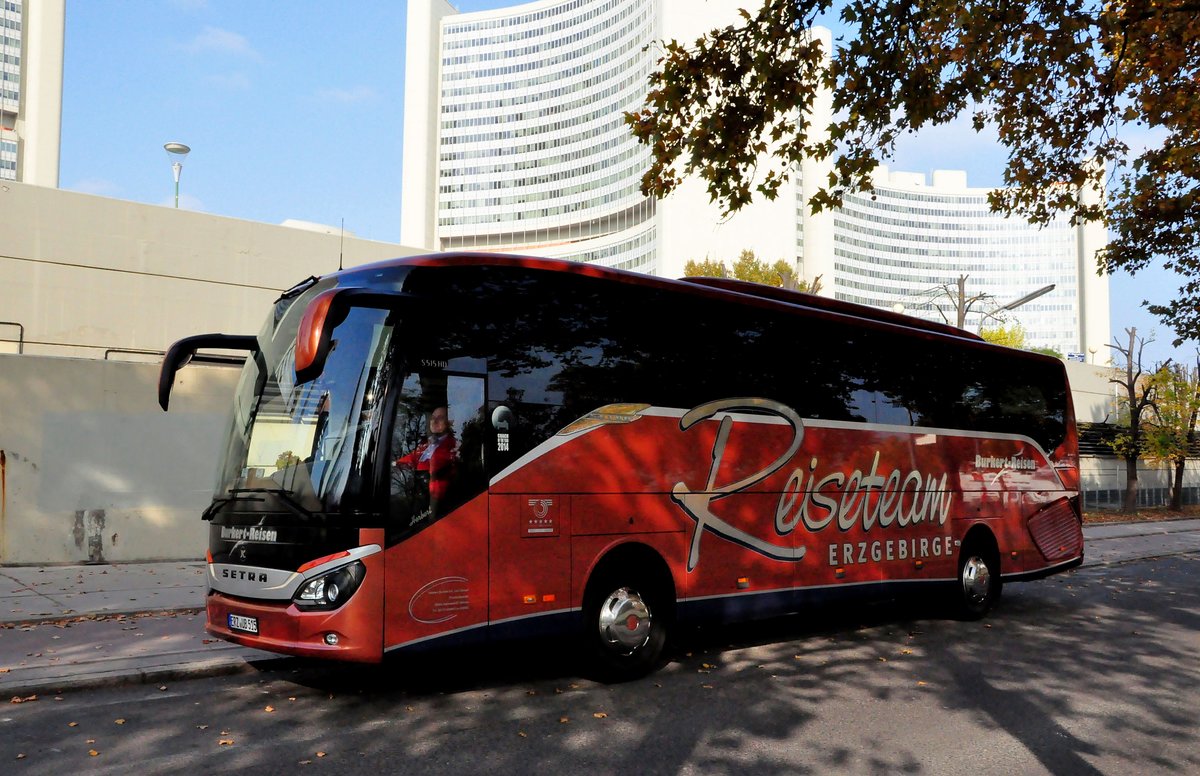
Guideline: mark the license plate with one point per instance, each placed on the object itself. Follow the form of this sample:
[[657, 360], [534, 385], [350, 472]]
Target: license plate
[[245, 624]]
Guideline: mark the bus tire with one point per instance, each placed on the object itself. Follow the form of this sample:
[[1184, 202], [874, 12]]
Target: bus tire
[[626, 618], [978, 585]]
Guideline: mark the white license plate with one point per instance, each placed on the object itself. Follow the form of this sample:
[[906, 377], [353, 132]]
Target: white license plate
[[245, 624]]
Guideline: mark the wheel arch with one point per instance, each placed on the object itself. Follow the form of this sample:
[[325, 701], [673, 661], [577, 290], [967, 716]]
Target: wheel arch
[[637, 558], [981, 535]]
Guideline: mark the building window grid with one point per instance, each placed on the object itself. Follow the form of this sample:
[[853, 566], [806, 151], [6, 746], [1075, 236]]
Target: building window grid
[[933, 233], [631, 86], [601, 142], [533, 19], [451, 75], [550, 96], [545, 37], [568, 209]]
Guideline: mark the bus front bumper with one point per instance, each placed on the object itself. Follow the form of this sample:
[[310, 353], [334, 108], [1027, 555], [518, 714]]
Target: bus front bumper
[[352, 632]]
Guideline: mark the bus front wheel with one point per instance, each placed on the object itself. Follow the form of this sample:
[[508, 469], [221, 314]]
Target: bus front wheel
[[625, 626], [978, 579]]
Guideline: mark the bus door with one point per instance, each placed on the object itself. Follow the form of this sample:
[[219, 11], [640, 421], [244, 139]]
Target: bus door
[[531, 518], [437, 521]]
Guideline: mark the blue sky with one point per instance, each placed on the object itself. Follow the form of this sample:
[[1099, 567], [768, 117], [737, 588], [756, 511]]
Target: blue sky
[[294, 109]]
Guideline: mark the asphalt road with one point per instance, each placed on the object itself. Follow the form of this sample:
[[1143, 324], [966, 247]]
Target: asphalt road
[[1096, 671]]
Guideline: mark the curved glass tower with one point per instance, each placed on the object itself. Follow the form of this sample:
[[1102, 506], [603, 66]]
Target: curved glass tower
[[532, 148], [906, 243]]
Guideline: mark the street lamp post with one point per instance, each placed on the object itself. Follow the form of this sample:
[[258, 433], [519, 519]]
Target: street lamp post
[[1028, 297], [176, 152]]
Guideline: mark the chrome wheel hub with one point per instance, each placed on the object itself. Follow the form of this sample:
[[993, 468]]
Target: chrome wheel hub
[[624, 621], [976, 579]]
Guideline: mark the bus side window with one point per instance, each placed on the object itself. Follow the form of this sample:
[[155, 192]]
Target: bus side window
[[466, 407]]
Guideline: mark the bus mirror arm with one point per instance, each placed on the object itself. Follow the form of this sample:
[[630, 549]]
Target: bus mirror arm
[[182, 352]]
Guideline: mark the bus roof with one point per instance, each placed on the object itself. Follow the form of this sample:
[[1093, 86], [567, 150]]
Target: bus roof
[[726, 285], [816, 302]]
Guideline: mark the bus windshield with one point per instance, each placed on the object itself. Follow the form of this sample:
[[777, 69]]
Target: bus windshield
[[308, 448]]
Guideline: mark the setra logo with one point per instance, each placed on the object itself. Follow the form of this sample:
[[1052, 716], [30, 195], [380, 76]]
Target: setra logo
[[248, 576]]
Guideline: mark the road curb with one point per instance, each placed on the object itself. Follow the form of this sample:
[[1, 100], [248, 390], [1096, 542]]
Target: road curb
[[69, 619], [16, 690]]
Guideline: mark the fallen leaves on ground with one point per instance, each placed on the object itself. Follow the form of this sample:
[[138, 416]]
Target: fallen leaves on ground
[[26, 699]]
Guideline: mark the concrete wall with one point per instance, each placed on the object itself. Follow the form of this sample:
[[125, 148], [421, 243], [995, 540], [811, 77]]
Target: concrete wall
[[1102, 481], [1092, 391], [85, 275], [92, 470]]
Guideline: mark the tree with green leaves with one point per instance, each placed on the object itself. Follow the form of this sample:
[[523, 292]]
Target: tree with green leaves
[[752, 269], [1061, 81], [1136, 398], [705, 269], [1014, 337], [1172, 428], [1009, 336]]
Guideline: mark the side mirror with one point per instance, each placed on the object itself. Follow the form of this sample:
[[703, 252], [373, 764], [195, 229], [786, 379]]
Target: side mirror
[[314, 339], [182, 352]]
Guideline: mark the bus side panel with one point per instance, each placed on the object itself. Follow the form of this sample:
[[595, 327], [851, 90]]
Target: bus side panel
[[625, 513], [753, 584], [1005, 483], [530, 546], [587, 552], [437, 581]]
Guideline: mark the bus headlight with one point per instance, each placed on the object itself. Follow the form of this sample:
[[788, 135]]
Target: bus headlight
[[332, 589]]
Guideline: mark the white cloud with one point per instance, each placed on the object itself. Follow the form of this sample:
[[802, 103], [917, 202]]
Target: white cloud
[[218, 40], [230, 82], [347, 96], [99, 186]]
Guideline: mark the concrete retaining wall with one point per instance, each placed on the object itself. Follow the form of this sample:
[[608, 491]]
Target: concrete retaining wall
[[92, 470]]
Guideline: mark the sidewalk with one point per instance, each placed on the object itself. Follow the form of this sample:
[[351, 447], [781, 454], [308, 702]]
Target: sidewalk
[[70, 627]]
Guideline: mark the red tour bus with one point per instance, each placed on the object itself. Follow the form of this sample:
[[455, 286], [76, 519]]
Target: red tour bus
[[451, 448]]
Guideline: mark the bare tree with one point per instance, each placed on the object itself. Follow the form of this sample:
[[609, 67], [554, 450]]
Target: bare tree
[[1139, 394], [954, 304]]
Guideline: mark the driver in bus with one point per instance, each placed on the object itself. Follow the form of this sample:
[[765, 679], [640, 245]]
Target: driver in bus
[[435, 457]]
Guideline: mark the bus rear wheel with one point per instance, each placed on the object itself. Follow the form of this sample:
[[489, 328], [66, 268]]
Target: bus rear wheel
[[625, 626], [978, 580]]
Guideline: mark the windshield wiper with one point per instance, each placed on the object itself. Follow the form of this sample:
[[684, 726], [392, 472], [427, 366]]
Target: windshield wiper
[[299, 288], [245, 494], [217, 503], [284, 496]]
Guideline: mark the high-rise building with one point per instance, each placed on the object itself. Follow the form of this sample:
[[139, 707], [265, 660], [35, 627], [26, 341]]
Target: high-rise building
[[31, 74], [514, 137], [905, 243], [514, 140]]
